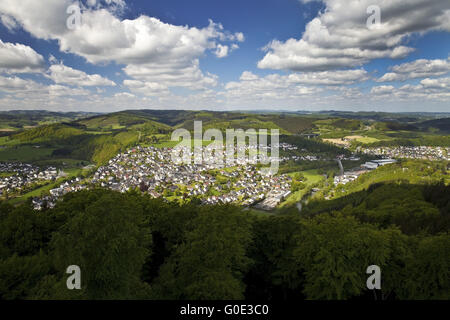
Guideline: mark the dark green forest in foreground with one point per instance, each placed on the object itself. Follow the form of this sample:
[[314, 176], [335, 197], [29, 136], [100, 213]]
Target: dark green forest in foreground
[[131, 247]]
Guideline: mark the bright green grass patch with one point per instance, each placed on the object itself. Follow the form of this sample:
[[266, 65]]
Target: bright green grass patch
[[312, 178], [171, 144], [70, 173], [7, 128], [98, 132], [37, 192], [6, 174], [367, 140], [294, 198], [7, 141], [74, 172]]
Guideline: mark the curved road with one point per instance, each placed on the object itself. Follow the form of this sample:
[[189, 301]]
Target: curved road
[[341, 167]]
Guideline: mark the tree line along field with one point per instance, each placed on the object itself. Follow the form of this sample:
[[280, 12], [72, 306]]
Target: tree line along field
[[27, 119], [371, 137]]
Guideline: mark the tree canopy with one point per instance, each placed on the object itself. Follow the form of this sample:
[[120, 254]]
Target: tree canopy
[[129, 246]]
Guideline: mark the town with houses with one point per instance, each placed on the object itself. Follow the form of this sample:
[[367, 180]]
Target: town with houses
[[16, 176], [403, 152], [153, 171]]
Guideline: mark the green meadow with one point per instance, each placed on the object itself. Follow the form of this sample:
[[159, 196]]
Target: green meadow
[[311, 178], [25, 153]]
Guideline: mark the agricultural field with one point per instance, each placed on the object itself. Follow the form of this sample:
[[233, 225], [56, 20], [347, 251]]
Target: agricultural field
[[25, 153], [17, 120], [310, 179], [347, 141]]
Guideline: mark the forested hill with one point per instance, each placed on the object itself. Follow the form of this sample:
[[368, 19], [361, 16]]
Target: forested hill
[[437, 124], [97, 138], [131, 247], [19, 119]]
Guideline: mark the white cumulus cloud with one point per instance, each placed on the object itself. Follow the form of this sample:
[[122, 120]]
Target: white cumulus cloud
[[60, 73], [19, 58], [143, 44], [417, 69], [339, 37]]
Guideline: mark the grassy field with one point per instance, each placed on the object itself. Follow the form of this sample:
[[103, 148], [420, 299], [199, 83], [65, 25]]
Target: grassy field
[[348, 140], [366, 140], [312, 178], [24, 153], [6, 174], [7, 141], [35, 193], [171, 144], [70, 173]]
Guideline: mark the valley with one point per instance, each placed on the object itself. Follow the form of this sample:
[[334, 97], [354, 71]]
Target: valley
[[95, 151]]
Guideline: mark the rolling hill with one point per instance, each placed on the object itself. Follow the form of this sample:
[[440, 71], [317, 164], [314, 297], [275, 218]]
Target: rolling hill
[[98, 137], [442, 125]]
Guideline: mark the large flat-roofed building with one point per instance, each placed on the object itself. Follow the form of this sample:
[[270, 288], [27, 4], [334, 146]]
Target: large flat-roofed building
[[383, 162], [373, 164]]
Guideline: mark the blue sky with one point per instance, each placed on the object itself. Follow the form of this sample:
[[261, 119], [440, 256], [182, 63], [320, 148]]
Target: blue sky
[[225, 55]]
